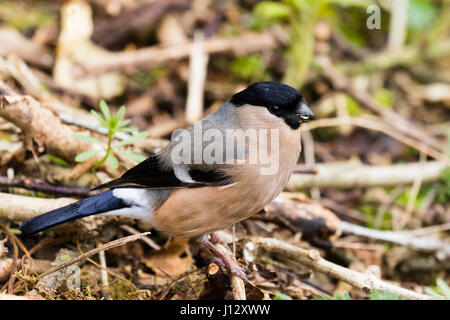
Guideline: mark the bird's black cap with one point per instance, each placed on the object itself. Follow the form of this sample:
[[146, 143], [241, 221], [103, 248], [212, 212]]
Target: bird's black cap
[[266, 94]]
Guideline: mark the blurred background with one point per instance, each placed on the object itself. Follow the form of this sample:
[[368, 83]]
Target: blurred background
[[375, 73]]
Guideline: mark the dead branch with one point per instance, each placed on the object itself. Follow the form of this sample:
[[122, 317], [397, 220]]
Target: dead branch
[[404, 238], [20, 208], [104, 247], [40, 126], [111, 33], [312, 259], [237, 284], [373, 123], [315, 222], [46, 188], [45, 170], [155, 56], [11, 41], [402, 124], [408, 55], [198, 68], [147, 240], [5, 296], [352, 175]]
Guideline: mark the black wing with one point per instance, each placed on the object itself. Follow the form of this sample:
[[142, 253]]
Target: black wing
[[150, 174]]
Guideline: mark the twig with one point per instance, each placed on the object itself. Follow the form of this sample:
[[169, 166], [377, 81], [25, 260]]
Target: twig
[[90, 125], [404, 238], [400, 123], [308, 147], [12, 41], [198, 64], [312, 259], [12, 274], [147, 240], [351, 175], [398, 24], [237, 284], [102, 259], [113, 274], [386, 204], [412, 197], [387, 59], [156, 56], [373, 123], [40, 126], [104, 247], [46, 188], [20, 208], [113, 32]]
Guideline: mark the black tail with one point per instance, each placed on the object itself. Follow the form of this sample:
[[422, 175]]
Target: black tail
[[100, 203]]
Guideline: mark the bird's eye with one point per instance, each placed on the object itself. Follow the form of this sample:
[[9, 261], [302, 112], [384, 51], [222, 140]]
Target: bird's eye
[[274, 109]]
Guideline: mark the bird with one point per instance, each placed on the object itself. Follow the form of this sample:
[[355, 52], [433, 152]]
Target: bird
[[195, 185]]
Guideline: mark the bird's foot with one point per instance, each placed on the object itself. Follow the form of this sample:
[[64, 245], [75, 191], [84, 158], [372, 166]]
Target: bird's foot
[[230, 263]]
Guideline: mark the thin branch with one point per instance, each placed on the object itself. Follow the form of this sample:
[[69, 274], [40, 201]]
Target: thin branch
[[355, 175], [398, 24], [312, 259], [404, 238], [400, 123], [20, 208], [372, 123], [237, 284], [147, 240], [41, 127], [198, 68], [104, 247], [46, 188], [151, 57]]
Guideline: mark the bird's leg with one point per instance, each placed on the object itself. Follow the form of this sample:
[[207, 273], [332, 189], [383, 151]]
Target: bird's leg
[[229, 262]]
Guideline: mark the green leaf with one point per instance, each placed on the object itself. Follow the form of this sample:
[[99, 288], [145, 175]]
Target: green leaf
[[58, 160], [88, 139], [269, 12], [344, 296], [112, 161], [384, 97], [134, 138], [105, 110], [120, 113], [86, 155], [445, 289], [383, 295], [132, 155], [421, 14], [124, 123], [272, 10], [433, 293], [281, 296], [131, 129], [248, 67], [99, 118]]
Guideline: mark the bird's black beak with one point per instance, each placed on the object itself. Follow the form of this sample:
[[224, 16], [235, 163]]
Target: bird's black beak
[[304, 113]]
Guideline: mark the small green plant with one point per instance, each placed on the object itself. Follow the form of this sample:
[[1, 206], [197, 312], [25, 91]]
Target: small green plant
[[298, 18], [281, 296], [251, 67], [444, 186], [114, 124], [383, 295], [441, 291], [344, 296]]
